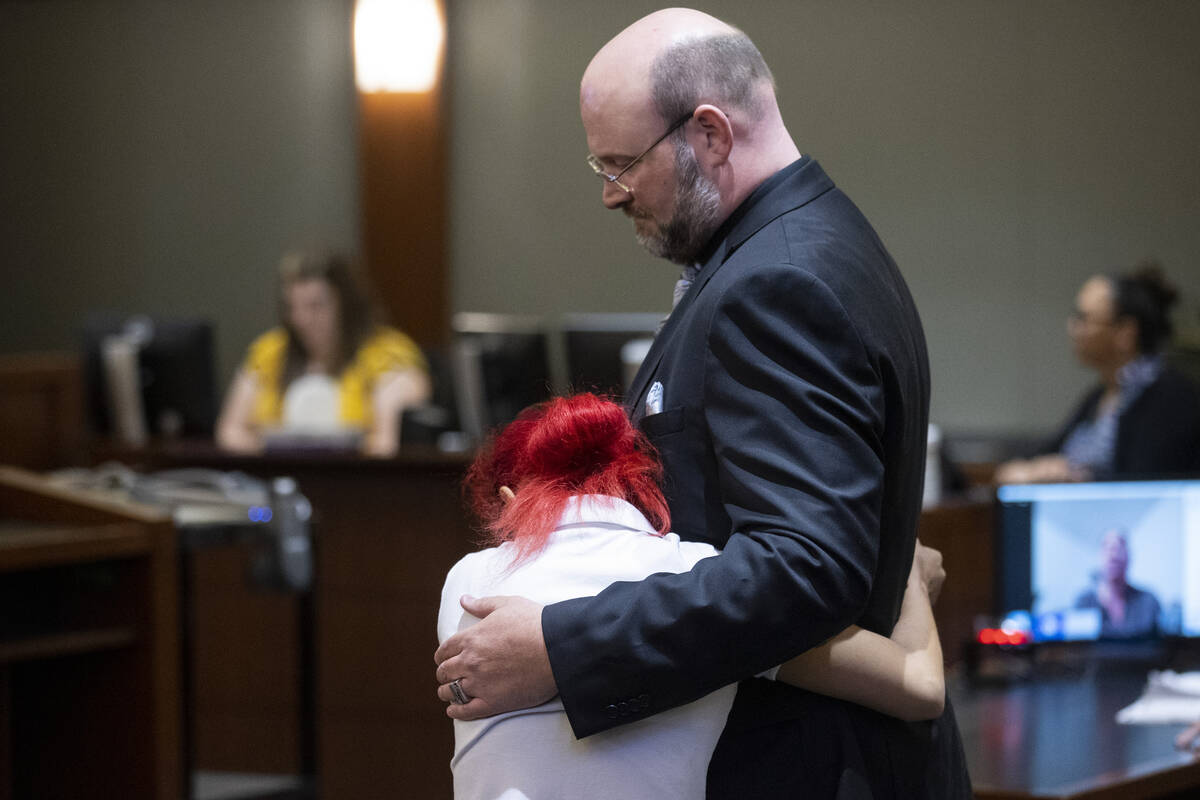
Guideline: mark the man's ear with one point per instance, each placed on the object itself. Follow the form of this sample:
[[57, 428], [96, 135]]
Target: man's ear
[[717, 132]]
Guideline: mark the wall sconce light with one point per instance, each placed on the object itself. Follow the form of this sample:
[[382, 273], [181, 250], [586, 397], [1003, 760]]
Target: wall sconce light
[[397, 45]]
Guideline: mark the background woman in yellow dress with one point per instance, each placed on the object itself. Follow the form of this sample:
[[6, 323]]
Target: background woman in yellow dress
[[328, 368]]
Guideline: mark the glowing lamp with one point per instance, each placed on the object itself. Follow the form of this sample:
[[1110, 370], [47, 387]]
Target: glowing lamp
[[397, 45]]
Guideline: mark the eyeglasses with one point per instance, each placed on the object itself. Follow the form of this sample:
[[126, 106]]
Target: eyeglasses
[[1077, 317], [598, 168]]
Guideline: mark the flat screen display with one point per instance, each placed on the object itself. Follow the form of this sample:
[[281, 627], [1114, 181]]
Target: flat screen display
[[176, 381], [500, 365], [604, 350], [1107, 561]]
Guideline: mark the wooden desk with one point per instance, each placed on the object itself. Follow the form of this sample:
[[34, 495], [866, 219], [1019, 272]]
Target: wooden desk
[[386, 533], [1059, 739], [89, 699], [41, 410]]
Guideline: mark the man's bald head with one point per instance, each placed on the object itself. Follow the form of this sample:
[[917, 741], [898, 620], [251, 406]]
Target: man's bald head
[[675, 59]]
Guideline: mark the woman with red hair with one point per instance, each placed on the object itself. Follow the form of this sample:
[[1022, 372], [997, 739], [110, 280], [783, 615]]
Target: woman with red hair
[[570, 502]]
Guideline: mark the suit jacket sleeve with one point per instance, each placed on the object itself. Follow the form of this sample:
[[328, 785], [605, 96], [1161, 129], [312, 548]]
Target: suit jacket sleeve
[[793, 408]]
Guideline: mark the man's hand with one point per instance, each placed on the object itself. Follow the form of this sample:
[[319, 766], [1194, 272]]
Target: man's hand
[[500, 662]]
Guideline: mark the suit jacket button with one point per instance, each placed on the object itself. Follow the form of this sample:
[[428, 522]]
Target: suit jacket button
[[623, 708], [611, 711]]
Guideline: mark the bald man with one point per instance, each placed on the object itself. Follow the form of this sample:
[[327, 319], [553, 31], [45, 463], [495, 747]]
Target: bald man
[[788, 395]]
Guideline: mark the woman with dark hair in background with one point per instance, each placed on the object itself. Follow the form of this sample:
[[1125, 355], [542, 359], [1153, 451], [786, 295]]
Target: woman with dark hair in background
[[327, 368], [1144, 418], [569, 496]]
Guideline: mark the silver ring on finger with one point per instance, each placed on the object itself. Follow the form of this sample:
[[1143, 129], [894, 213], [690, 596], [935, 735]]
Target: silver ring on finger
[[460, 696]]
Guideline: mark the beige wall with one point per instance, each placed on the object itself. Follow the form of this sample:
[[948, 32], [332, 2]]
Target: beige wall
[[159, 156]]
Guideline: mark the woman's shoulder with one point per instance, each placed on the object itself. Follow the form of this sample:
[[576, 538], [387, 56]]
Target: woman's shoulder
[[387, 348], [266, 352], [1178, 384], [695, 551], [1172, 393], [480, 573], [470, 566], [472, 574]]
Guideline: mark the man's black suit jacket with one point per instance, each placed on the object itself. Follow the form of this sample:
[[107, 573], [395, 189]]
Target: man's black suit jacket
[[794, 405]]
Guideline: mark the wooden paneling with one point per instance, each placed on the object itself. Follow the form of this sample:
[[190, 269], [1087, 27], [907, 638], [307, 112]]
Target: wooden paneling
[[388, 536], [402, 152], [41, 410], [386, 532], [89, 658], [245, 668]]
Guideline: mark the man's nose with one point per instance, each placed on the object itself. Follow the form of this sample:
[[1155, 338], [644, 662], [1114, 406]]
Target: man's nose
[[613, 196]]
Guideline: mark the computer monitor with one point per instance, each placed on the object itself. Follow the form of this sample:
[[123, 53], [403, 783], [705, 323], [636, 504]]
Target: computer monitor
[[500, 364], [604, 350], [1110, 560], [174, 372]]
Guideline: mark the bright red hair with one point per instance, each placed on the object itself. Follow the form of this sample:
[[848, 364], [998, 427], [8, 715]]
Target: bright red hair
[[582, 444]]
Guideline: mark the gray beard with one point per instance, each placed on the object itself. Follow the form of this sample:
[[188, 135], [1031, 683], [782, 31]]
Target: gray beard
[[697, 213]]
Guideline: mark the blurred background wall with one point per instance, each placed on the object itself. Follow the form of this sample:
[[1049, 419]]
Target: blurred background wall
[[160, 156]]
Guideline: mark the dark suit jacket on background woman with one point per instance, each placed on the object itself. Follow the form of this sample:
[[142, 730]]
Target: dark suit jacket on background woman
[[1157, 435]]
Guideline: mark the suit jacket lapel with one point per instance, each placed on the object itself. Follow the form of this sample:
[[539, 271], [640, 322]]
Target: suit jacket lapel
[[799, 183], [655, 354]]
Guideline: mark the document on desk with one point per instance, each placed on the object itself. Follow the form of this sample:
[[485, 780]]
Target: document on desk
[[1169, 698]]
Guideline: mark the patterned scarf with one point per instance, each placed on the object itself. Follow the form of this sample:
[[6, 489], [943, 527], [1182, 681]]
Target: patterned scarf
[[1092, 443]]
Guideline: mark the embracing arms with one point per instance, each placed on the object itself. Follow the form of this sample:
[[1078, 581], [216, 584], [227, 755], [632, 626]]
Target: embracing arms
[[785, 430], [901, 676]]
